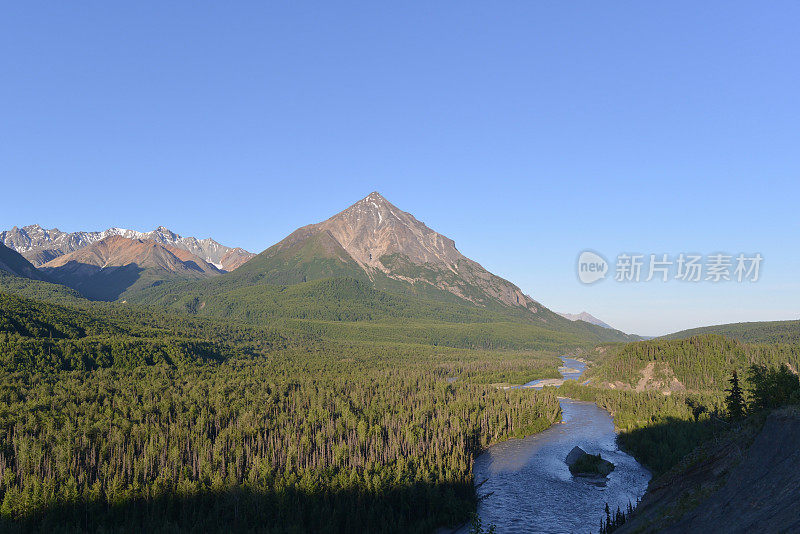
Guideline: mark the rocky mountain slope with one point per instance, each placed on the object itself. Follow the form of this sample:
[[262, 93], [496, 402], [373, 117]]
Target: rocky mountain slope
[[115, 264], [40, 246], [584, 316], [375, 240]]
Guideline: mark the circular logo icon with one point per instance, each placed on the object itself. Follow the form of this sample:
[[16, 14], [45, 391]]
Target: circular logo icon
[[591, 267]]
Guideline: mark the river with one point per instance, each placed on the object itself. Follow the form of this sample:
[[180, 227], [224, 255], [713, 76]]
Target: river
[[529, 488]]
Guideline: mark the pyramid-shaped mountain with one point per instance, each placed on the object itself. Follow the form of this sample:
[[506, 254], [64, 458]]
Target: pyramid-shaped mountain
[[376, 241]]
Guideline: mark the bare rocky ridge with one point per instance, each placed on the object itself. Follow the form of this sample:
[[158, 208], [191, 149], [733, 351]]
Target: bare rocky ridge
[[222, 257], [382, 239], [118, 251], [40, 246], [108, 268]]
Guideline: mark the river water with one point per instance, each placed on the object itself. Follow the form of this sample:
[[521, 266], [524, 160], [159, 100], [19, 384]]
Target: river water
[[529, 488]]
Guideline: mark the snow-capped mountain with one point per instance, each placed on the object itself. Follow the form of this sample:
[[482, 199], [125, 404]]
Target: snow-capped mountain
[[39, 245]]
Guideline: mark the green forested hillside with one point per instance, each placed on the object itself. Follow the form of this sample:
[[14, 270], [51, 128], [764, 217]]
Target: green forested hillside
[[757, 332], [38, 289], [350, 300], [699, 363], [668, 395]]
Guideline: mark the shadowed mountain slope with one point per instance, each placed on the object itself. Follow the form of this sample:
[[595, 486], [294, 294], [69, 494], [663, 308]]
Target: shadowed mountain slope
[[115, 265], [14, 263]]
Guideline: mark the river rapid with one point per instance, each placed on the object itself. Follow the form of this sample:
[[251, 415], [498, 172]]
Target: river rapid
[[528, 486]]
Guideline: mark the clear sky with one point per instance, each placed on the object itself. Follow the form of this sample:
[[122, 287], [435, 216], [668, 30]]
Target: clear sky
[[526, 131]]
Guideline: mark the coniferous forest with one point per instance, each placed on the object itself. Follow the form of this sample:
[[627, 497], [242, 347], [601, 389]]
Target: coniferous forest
[[129, 418], [123, 419]]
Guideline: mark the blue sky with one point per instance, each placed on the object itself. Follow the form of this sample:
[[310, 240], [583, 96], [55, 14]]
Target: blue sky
[[526, 131]]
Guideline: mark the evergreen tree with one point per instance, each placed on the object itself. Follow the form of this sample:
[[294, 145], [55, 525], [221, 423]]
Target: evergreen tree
[[735, 398]]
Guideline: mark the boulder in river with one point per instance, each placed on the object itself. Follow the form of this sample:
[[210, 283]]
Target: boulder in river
[[583, 464]]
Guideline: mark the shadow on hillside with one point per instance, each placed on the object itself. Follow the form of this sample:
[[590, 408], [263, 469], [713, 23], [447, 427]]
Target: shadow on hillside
[[405, 508], [663, 444], [93, 282]]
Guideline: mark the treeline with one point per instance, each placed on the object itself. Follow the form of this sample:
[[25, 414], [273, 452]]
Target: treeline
[[770, 388], [700, 363], [760, 332], [485, 336]]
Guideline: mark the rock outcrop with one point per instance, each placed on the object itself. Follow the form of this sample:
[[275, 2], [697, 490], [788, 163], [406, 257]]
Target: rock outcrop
[[583, 464]]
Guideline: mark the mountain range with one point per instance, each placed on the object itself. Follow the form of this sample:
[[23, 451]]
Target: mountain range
[[368, 261], [108, 268], [40, 246]]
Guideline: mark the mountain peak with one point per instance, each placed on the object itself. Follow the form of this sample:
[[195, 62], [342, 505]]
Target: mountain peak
[[388, 243], [373, 228], [373, 202], [586, 317], [375, 197]]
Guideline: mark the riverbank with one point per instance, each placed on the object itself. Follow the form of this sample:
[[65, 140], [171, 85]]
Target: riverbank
[[527, 487]]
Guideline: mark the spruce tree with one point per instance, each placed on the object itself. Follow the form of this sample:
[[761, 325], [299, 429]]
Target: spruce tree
[[735, 398]]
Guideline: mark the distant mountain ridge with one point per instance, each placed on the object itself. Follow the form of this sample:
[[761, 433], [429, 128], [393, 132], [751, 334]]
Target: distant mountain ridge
[[585, 316], [40, 246], [109, 267]]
